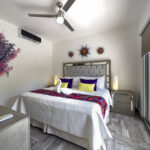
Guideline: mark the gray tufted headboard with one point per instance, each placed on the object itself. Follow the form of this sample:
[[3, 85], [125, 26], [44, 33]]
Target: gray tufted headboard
[[89, 69]]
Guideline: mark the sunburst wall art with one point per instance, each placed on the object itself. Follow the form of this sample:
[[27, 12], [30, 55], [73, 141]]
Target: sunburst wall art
[[84, 51], [7, 53], [100, 50], [70, 54]]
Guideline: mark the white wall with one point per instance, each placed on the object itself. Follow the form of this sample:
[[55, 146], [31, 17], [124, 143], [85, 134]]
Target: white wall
[[120, 47], [32, 66], [142, 23]]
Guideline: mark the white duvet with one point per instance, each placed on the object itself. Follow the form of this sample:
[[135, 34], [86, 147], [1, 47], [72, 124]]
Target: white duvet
[[79, 118]]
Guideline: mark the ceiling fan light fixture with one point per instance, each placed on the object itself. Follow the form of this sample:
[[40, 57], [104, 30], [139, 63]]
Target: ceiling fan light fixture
[[60, 20]]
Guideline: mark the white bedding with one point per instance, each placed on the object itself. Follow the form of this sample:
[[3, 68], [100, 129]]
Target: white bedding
[[79, 118]]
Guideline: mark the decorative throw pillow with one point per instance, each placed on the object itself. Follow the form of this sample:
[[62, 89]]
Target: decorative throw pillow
[[67, 80], [94, 81], [74, 82], [86, 87], [64, 85]]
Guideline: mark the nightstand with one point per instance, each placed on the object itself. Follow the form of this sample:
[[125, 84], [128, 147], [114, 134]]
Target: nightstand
[[123, 102], [50, 86]]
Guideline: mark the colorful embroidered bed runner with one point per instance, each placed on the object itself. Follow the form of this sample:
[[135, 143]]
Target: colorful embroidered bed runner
[[96, 99]]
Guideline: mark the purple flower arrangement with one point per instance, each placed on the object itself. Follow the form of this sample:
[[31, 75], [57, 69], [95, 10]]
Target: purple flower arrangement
[[7, 53]]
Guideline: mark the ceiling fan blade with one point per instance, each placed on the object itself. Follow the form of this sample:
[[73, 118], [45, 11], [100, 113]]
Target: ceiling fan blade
[[43, 15], [68, 25], [68, 5]]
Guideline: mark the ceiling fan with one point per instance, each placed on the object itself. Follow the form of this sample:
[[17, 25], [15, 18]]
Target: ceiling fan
[[60, 15]]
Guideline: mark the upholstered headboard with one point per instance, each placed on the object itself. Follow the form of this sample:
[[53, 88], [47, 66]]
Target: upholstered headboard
[[89, 69]]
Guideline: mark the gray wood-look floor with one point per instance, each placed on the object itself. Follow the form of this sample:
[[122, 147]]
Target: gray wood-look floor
[[129, 133]]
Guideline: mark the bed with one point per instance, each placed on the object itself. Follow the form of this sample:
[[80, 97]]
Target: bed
[[77, 121]]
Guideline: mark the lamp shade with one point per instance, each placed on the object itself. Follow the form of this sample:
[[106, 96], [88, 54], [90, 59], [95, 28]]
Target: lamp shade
[[115, 83], [56, 79]]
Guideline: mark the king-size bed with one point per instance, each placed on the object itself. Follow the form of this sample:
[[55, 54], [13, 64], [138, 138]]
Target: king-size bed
[[79, 116]]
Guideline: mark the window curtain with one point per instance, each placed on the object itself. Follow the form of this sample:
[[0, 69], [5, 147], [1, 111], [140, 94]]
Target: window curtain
[[146, 54], [147, 89], [146, 40]]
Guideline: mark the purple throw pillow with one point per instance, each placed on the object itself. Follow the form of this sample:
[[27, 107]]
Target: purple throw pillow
[[92, 81], [67, 80]]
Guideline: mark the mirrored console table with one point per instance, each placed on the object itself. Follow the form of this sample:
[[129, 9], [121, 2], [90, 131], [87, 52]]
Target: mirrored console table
[[14, 132]]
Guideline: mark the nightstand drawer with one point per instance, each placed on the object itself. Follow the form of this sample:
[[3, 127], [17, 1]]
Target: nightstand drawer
[[122, 98], [125, 106]]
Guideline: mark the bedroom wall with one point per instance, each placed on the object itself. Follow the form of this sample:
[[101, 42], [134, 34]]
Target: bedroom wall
[[120, 47], [32, 66]]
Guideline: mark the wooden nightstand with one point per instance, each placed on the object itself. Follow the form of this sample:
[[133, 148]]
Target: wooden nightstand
[[123, 102]]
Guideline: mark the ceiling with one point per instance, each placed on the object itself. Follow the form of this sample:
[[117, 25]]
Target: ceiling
[[86, 16]]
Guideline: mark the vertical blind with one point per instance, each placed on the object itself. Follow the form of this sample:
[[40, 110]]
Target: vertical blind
[[146, 40], [147, 89]]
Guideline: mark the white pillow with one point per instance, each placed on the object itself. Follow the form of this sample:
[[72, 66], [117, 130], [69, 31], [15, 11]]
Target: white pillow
[[101, 82]]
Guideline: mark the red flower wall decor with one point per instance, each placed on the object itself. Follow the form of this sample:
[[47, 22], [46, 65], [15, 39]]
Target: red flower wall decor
[[100, 50], [70, 54], [7, 53], [84, 51]]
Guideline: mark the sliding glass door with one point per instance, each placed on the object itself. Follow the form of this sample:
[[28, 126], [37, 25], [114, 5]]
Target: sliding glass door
[[147, 89]]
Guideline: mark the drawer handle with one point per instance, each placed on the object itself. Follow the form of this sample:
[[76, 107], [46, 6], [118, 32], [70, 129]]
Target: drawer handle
[[131, 105]]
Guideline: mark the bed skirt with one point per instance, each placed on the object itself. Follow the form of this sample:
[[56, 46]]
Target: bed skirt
[[66, 136], [71, 138]]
